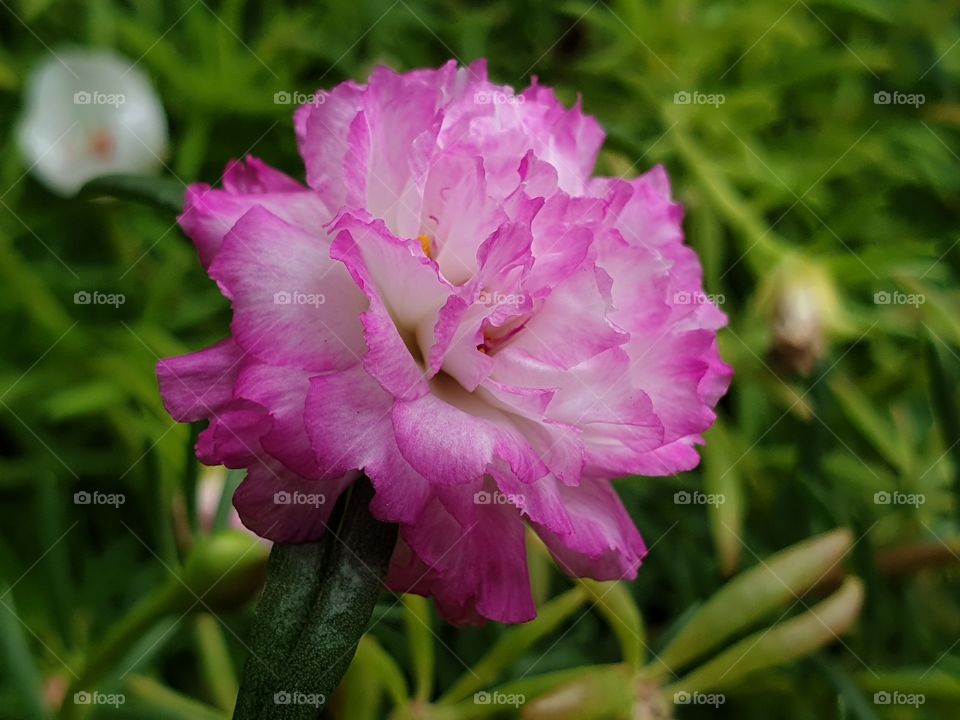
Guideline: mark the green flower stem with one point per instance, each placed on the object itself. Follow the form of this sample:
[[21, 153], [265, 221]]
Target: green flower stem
[[595, 694], [222, 571], [373, 657], [616, 605], [159, 697], [360, 695], [169, 598], [315, 607], [514, 643], [216, 665], [529, 687], [420, 641], [20, 667]]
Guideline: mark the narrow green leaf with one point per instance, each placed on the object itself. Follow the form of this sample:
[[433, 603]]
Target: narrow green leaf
[[162, 192], [722, 480], [867, 418], [372, 671], [943, 398], [617, 606], [753, 594], [420, 642], [516, 641], [594, 695], [786, 641], [18, 660], [304, 639], [934, 683], [851, 696], [159, 701], [216, 665], [529, 688]]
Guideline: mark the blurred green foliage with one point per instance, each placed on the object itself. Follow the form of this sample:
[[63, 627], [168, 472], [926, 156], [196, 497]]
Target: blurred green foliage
[[798, 173]]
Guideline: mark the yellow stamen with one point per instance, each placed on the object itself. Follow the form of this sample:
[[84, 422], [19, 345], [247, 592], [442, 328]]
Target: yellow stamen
[[427, 244]]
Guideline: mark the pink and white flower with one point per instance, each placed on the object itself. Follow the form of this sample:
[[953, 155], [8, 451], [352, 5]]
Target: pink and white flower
[[455, 307]]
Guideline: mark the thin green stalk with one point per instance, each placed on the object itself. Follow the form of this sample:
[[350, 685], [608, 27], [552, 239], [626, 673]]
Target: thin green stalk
[[169, 597], [420, 642], [516, 641], [173, 705], [216, 665]]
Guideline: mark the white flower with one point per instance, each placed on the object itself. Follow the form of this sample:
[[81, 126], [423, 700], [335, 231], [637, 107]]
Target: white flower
[[88, 114]]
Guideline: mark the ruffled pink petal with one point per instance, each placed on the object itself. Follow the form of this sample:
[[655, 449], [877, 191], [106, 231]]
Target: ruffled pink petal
[[568, 139], [279, 505], [370, 146], [600, 397], [671, 367], [456, 309], [253, 175], [322, 130], [450, 437], [403, 290], [447, 555], [671, 458], [348, 421], [200, 384], [233, 436], [603, 543], [572, 326], [293, 306], [715, 382], [283, 391], [209, 214], [458, 214]]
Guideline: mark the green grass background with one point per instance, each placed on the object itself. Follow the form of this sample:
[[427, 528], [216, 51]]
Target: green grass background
[[798, 161]]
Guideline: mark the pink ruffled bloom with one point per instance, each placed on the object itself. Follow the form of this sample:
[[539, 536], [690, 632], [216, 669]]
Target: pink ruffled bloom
[[455, 307]]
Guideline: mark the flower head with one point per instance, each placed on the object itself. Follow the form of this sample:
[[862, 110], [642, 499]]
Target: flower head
[[455, 307], [89, 114]]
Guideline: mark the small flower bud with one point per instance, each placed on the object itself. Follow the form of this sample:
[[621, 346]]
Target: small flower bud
[[804, 308]]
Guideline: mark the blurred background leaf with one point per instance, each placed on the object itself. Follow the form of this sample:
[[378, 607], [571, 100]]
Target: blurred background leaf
[[842, 413]]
